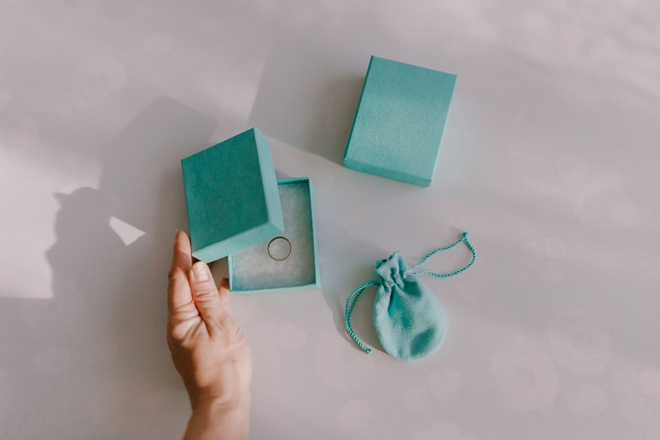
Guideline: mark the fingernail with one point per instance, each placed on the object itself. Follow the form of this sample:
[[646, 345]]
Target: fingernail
[[201, 272]]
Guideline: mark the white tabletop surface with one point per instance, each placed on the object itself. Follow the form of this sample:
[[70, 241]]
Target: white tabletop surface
[[550, 160]]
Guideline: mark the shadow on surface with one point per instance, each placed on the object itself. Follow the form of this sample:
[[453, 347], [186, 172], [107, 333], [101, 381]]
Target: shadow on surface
[[106, 321], [307, 98], [340, 277]]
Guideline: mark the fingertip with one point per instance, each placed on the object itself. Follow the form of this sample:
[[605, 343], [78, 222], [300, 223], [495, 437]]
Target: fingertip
[[179, 287], [180, 235], [181, 241]]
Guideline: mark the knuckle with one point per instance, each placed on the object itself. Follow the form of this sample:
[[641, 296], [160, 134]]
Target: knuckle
[[205, 294]]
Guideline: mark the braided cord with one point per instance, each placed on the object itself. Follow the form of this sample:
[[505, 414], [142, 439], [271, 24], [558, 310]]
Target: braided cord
[[353, 297], [350, 303], [464, 239]]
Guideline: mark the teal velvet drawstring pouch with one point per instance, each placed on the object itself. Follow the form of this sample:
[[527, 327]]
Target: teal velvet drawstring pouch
[[410, 321]]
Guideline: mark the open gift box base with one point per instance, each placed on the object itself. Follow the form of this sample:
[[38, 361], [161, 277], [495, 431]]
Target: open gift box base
[[254, 270]]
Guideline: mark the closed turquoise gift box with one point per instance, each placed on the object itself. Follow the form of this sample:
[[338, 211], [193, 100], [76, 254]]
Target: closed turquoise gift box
[[400, 121], [252, 270], [231, 196]]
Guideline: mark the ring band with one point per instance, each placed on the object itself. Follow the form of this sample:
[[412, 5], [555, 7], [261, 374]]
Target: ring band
[[287, 255]]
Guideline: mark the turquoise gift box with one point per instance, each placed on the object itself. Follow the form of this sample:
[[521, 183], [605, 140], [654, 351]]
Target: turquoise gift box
[[252, 270], [236, 207], [400, 121]]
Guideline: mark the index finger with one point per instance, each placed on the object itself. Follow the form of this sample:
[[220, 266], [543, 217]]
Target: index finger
[[178, 290]]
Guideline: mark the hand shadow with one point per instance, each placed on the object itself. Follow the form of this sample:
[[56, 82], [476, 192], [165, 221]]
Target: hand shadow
[[103, 333]]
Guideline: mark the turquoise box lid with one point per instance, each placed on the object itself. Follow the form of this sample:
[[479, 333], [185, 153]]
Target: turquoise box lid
[[231, 196], [399, 121]]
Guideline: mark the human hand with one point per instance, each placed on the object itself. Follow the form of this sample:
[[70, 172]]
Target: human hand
[[208, 349]]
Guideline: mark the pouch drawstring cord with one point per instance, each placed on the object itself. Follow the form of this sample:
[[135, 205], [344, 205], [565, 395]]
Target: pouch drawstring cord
[[353, 297]]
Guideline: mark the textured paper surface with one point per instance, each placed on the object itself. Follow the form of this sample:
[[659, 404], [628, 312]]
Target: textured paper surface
[[400, 121]]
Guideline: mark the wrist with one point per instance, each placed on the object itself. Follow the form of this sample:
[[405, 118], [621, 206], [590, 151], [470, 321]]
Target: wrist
[[226, 389], [211, 404], [219, 419]]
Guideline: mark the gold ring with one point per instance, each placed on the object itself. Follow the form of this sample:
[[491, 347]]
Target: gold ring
[[279, 238]]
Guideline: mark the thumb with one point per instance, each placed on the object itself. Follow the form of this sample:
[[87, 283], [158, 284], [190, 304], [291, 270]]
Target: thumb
[[205, 293]]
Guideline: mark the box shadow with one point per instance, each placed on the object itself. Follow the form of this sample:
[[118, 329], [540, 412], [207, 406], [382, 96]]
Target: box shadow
[[307, 97]]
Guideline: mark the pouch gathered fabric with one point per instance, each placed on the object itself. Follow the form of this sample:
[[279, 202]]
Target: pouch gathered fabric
[[410, 321]]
